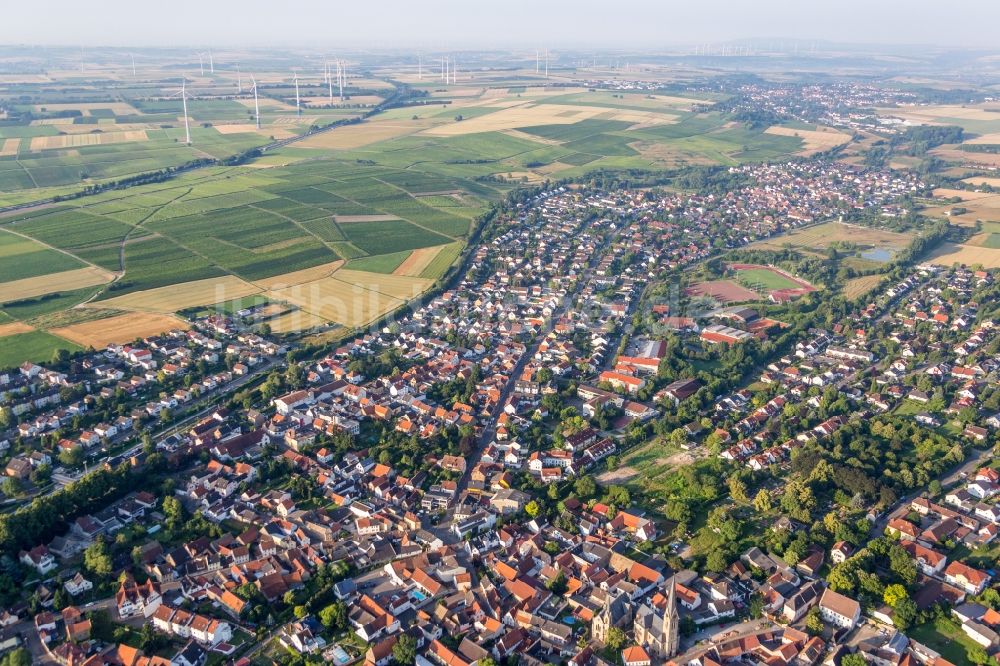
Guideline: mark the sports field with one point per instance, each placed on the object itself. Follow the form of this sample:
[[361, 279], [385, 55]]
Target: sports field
[[762, 279], [724, 291]]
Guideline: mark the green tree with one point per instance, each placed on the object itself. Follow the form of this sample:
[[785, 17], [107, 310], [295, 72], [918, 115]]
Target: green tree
[[71, 457], [904, 614], [532, 509], [18, 657], [11, 486], [894, 594], [97, 559], [853, 659], [334, 616], [404, 652], [616, 639], [762, 501], [300, 612], [814, 621]]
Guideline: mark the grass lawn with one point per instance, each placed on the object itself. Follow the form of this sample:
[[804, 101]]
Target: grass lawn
[[945, 636], [759, 277]]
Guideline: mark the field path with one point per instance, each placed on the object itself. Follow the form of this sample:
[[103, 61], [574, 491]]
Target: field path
[[121, 248]]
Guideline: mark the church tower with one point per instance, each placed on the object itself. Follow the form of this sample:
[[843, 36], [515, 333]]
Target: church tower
[[671, 622]]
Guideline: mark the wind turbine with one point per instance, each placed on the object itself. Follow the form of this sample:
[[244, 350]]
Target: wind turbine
[[329, 82], [298, 105], [184, 104], [201, 64], [239, 80], [211, 62], [132, 55], [546, 63], [341, 75], [256, 105]]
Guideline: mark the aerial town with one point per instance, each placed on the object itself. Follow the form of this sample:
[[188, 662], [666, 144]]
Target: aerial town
[[447, 488], [544, 342]]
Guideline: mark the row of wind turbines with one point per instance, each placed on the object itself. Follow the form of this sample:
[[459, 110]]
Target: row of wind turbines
[[328, 79]]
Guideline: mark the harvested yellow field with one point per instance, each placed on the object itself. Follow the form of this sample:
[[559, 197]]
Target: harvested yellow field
[[418, 260], [988, 160], [119, 329], [931, 113], [80, 140], [15, 328], [298, 277], [250, 128], [814, 141], [951, 253], [79, 278], [979, 240], [525, 115], [641, 118], [9, 147], [985, 208], [986, 139], [362, 134], [983, 180], [295, 321], [397, 286], [860, 286], [964, 195], [117, 108], [185, 295], [337, 301]]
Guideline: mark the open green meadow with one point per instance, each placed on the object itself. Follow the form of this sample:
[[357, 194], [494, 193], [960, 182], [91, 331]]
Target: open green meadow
[[36, 346]]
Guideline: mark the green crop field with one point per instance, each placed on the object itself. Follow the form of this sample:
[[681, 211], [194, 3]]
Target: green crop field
[[22, 258], [382, 263], [390, 236], [442, 261], [34, 346]]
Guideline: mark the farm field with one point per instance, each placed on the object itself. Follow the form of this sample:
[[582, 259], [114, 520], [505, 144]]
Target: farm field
[[53, 282], [819, 237], [859, 286], [947, 254], [978, 206], [442, 261], [118, 329], [33, 346], [814, 141]]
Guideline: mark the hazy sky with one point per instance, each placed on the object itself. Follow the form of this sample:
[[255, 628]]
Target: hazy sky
[[488, 23]]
